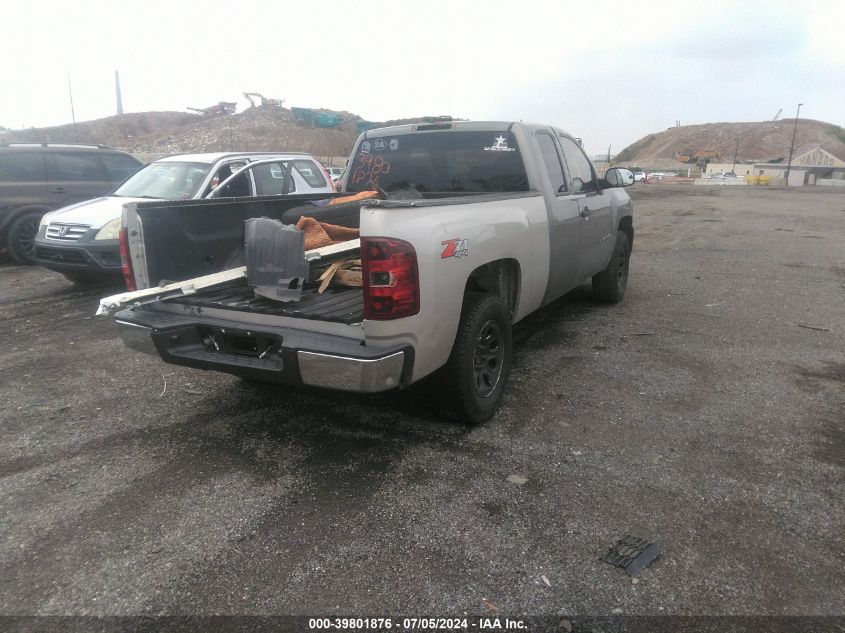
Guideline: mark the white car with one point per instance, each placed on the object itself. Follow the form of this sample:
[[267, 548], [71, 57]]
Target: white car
[[81, 240], [336, 173]]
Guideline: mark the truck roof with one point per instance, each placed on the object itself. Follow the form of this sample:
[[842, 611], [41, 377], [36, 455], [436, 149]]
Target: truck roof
[[213, 157], [469, 126], [494, 126]]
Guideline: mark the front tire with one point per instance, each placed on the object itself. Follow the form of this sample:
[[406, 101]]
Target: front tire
[[609, 285], [477, 371], [20, 240]]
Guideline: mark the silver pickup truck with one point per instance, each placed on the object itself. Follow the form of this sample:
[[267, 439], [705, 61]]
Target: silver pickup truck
[[478, 225]]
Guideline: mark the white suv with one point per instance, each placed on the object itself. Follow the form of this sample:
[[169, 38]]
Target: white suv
[[81, 240]]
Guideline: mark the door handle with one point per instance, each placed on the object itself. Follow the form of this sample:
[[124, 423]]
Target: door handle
[[585, 212], [59, 190]]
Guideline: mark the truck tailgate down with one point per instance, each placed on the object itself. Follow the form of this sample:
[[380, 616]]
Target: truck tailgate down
[[339, 305]]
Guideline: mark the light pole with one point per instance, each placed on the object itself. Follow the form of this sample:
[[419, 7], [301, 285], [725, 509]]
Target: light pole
[[792, 146], [736, 155]]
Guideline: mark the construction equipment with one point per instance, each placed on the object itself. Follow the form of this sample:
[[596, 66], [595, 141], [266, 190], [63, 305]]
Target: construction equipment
[[698, 157], [315, 118], [263, 101], [223, 107]]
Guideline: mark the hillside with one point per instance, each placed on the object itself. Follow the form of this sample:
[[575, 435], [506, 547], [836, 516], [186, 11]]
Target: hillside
[[118, 131], [758, 142], [153, 134], [254, 129]]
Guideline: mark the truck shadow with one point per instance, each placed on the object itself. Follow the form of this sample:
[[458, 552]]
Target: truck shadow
[[417, 407], [287, 459], [550, 326]]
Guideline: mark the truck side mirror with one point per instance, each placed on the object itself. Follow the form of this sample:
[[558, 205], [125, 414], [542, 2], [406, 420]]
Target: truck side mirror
[[619, 177]]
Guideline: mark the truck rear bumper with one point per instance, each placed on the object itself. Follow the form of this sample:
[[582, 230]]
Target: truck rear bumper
[[270, 355], [351, 374]]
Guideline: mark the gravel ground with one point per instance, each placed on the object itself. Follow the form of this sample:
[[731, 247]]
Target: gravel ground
[[706, 412]]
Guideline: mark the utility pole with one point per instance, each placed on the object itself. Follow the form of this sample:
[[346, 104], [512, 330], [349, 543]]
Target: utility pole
[[736, 153], [72, 113], [608, 156], [792, 146], [117, 94]]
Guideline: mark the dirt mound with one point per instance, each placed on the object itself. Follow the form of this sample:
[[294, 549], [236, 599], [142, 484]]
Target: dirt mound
[[255, 129], [119, 130], [154, 134], [758, 142]]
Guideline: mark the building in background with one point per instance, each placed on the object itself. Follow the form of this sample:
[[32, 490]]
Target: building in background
[[815, 166]]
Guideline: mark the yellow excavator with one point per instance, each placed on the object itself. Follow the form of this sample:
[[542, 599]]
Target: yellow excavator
[[698, 157], [262, 100]]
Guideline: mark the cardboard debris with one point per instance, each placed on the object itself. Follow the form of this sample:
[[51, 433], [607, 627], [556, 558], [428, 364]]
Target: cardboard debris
[[345, 272], [319, 234]]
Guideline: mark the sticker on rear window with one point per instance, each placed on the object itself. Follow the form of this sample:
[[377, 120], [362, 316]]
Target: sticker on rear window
[[365, 147], [379, 145], [393, 144], [500, 144]]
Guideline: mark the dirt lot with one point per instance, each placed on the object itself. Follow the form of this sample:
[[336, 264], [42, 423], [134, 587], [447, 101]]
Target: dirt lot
[[706, 412]]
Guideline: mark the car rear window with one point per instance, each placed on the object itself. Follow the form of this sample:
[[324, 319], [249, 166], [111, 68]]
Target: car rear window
[[310, 172], [437, 162], [270, 179], [74, 167], [120, 166]]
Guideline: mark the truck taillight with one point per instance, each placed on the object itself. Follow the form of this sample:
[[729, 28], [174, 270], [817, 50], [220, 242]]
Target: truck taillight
[[125, 260], [391, 278]]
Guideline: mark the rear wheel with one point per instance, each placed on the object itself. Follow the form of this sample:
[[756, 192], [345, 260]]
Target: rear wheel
[[477, 371], [609, 285], [20, 241]]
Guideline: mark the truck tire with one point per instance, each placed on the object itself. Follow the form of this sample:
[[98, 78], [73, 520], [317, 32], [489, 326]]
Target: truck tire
[[20, 240], [477, 371], [609, 285]]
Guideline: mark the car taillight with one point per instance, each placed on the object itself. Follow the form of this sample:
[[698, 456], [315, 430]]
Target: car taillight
[[125, 260], [391, 279]]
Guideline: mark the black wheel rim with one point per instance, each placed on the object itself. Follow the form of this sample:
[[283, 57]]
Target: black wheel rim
[[26, 237], [488, 358], [622, 271]]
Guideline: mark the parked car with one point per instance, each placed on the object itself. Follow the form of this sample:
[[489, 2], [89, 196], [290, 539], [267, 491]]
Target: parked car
[[81, 241], [639, 176], [38, 177], [336, 173], [484, 223]]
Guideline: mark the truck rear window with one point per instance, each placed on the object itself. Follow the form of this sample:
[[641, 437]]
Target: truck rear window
[[440, 162]]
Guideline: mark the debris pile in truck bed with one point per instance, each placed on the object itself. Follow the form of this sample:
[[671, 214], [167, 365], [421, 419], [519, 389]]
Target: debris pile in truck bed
[[343, 272], [275, 259], [319, 234]]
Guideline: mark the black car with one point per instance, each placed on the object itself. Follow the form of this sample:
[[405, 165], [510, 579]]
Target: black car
[[38, 177]]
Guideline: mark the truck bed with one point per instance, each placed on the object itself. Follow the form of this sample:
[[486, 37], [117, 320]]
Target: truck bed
[[336, 304]]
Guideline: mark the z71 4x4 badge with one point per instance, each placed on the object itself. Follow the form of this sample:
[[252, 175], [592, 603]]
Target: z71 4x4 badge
[[455, 248]]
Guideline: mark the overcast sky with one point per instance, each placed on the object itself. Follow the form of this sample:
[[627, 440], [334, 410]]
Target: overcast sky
[[605, 71]]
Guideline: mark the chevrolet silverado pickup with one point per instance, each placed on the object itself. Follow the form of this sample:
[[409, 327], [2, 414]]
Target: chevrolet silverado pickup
[[476, 225]]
